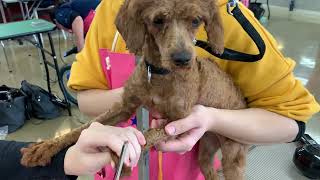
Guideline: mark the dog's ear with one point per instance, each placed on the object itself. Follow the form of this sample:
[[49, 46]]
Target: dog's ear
[[214, 27], [131, 26]]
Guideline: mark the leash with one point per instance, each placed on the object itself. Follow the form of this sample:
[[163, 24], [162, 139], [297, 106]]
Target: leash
[[232, 55]]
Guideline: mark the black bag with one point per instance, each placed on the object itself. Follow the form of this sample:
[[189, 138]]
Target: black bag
[[13, 108], [42, 103], [257, 10]]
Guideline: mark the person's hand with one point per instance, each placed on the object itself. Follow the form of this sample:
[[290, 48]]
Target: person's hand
[[89, 154], [185, 132]]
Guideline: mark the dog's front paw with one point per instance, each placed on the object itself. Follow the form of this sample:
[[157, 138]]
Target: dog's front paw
[[38, 154], [218, 49]]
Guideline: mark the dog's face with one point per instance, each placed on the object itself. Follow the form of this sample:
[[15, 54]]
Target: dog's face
[[171, 25]]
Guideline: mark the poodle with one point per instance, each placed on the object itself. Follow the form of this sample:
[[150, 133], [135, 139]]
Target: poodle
[[170, 79]]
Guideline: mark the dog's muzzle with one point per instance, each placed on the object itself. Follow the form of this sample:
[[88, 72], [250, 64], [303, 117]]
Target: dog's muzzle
[[181, 58]]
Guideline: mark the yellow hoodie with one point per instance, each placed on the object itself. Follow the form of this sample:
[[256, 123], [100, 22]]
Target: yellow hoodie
[[268, 84]]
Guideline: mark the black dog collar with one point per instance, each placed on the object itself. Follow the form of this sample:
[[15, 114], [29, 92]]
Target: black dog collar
[[156, 70]]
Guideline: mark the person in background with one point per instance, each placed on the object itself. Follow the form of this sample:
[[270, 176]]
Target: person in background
[[76, 16]]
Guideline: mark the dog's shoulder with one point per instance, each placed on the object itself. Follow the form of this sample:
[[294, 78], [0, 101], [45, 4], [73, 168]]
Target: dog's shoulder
[[206, 64]]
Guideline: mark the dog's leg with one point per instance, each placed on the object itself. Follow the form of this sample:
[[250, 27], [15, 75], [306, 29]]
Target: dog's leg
[[40, 154], [208, 146], [233, 160]]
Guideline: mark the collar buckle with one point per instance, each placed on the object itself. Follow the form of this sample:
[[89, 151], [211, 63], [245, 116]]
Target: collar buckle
[[149, 73], [151, 69]]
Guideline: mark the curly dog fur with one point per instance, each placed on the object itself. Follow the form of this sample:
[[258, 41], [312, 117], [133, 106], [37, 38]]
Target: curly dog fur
[[161, 31]]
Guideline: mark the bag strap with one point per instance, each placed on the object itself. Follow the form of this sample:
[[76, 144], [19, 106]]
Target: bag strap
[[233, 55]]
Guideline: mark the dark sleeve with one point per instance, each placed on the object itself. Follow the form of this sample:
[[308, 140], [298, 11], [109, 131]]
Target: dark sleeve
[[302, 129], [11, 168]]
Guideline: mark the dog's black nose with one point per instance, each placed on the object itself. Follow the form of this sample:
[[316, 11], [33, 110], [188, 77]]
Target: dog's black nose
[[181, 57]]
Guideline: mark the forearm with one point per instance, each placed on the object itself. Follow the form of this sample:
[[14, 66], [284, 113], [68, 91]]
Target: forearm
[[77, 29], [96, 101], [253, 126]]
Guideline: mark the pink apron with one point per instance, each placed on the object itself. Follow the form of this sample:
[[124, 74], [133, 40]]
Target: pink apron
[[171, 166]]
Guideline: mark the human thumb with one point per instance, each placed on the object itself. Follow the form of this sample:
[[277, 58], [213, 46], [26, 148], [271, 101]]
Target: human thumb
[[178, 127]]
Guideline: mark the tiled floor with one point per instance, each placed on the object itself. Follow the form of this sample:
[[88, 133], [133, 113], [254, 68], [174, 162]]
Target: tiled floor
[[299, 40]]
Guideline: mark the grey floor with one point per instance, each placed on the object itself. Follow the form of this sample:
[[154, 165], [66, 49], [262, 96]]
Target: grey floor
[[298, 40]]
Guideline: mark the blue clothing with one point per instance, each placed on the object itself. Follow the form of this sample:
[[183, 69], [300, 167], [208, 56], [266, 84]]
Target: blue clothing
[[67, 12], [11, 169], [82, 7]]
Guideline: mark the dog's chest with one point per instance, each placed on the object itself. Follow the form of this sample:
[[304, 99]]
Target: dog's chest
[[172, 97], [158, 100], [162, 95]]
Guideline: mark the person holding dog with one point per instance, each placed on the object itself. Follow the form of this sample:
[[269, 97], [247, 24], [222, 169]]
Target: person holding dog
[[75, 16], [278, 104]]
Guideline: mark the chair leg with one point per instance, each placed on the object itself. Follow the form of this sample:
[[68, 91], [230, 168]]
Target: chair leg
[[64, 34], [22, 10], [2, 13], [7, 8], [36, 14], [5, 56], [41, 37], [27, 10], [35, 37]]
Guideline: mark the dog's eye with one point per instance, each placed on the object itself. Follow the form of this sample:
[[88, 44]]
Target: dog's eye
[[158, 22], [196, 22]]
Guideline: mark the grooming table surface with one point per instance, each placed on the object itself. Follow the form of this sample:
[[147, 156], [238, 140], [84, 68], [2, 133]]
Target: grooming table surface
[[24, 28]]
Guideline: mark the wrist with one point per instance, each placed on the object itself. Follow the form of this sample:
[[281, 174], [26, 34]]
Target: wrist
[[67, 162], [214, 117]]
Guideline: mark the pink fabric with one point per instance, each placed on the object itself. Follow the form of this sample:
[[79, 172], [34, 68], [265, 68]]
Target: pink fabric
[[174, 166], [87, 21], [121, 67], [246, 2]]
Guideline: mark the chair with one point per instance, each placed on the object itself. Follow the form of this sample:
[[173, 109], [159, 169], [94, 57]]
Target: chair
[[7, 2], [3, 15]]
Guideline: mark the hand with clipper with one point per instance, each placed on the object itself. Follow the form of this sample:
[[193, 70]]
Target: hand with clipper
[[92, 150], [97, 147]]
